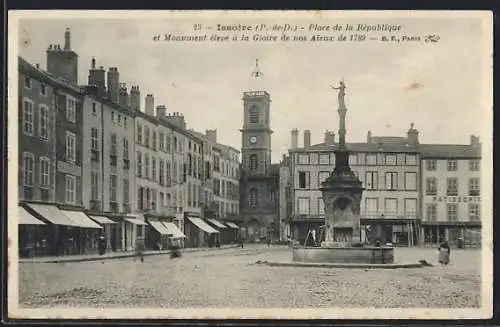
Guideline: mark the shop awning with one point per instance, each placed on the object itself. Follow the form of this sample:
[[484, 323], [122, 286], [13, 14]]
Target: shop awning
[[173, 230], [81, 219], [25, 218], [232, 225], [202, 225], [217, 223], [159, 227], [135, 221], [53, 214], [102, 220]]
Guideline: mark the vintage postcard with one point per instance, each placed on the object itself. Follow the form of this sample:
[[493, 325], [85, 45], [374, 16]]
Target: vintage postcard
[[250, 164]]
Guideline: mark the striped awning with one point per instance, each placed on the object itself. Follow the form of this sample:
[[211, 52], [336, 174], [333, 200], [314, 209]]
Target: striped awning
[[217, 223], [25, 218], [159, 227], [102, 220], [232, 225], [173, 230], [81, 219], [53, 214], [198, 222]]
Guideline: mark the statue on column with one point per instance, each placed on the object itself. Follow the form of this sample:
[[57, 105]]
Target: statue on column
[[341, 89]]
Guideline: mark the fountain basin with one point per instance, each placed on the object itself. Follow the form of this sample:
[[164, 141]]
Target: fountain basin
[[366, 254]]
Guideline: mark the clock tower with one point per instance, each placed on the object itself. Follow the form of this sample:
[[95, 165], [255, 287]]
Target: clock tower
[[257, 189]]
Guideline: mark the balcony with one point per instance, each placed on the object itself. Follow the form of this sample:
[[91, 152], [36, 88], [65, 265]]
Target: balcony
[[452, 192], [112, 159], [44, 194], [389, 214], [431, 191], [126, 164], [95, 205], [474, 192], [127, 208], [94, 155], [114, 206]]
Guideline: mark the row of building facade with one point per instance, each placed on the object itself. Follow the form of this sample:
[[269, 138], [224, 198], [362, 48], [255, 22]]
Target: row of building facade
[[93, 148], [417, 193]]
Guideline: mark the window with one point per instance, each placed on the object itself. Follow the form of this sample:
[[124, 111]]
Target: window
[[94, 185], [44, 172], [154, 140], [112, 188], [70, 189], [411, 208], [474, 187], [146, 166], [322, 176], [70, 147], [146, 136], [431, 165], [303, 206], [190, 191], [71, 109], [169, 173], [390, 159], [161, 140], [28, 128], [253, 162], [113, 149], [168, 143], [452, 165], [43, 129], [254, 115], [28, 167], [411, 159], [303, 159], [153, 168], [139, 133], [371, 180], [371, 207], [391, 207], [391, 181], [94, 108], [139, 164], [324, 159], [43, 89], [474, 165], [353, 159], [162, 172], [304, 179], [431, 186], [474, 214], [451, 209], [27, 82], [451, 186], [371, 159], [410, 181], [125, 149], [431, 212], [125, 122], [126, 191], [253, 198], [321, 207], [112, 116], [94, 139]]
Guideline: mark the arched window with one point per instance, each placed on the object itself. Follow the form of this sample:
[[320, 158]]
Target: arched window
[[254, 114], [253, 198], [252, 162]]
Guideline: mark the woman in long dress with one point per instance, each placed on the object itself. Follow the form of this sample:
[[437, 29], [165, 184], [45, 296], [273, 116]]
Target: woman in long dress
[[444, 253]]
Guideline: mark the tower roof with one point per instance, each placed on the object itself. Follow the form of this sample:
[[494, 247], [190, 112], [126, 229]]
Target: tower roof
[[256, 82]]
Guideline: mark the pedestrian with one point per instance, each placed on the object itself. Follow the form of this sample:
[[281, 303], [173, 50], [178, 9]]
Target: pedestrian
[[313, 234], [139, 248], [268, 240], [102, 244], [444, 253], [241, 242]]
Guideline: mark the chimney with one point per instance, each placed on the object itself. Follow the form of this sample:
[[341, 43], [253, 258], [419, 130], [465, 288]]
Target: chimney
[[149, 105], [211, 134], [113, 84], [123, 98], [135, 98], [97, 77], [369, 137], [37, 66], [329, 138], [67, 40], [161, 110], [295, 138], [474, 141], [307, 138], [412, 135], [177, 119]]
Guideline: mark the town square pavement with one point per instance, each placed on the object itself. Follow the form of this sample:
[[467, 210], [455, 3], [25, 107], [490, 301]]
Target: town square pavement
[[230, 278]]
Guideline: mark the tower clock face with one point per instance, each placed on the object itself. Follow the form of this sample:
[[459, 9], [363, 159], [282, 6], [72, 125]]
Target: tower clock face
[[253, 139]]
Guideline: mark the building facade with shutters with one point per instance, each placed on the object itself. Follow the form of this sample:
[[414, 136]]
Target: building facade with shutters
[[451, 193]]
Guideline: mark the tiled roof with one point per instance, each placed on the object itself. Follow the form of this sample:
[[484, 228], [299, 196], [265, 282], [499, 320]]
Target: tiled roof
[[426, 150]]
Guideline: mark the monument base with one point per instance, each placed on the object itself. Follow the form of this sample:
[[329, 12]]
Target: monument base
[[344, 254]]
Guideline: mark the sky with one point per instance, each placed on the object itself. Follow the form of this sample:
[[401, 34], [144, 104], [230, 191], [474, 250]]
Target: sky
[[437, 86]]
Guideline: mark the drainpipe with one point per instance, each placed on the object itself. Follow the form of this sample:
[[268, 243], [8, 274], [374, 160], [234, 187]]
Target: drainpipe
[[102, 156]]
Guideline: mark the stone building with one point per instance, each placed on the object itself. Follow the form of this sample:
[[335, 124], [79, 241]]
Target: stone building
[[451, 193], [259, 182]]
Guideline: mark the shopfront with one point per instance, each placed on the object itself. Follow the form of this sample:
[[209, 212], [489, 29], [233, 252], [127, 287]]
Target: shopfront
[[32, 241], [134, 232], [109, 227], [199, 233]]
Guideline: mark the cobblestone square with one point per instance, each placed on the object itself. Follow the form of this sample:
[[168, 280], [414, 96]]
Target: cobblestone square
[[229, 278]]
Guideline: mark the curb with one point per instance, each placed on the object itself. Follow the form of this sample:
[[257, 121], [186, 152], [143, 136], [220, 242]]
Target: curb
[[341, 265], [121, 256]]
